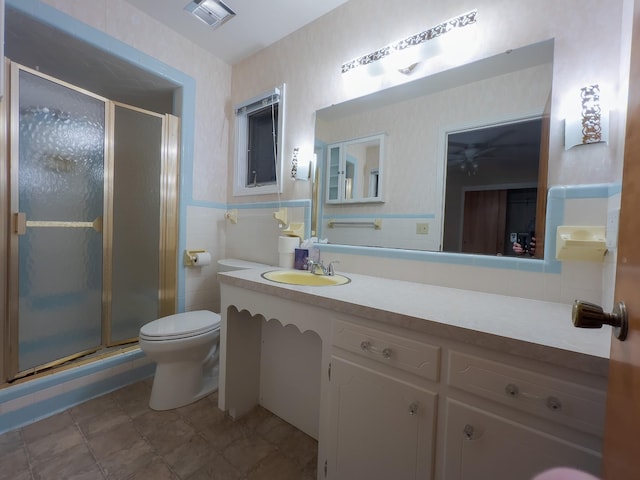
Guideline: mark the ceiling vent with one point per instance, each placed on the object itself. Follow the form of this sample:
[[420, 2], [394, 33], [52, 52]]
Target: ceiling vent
[[212, 12]]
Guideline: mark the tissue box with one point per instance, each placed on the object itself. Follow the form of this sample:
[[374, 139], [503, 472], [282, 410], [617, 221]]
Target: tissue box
[[300, 258]]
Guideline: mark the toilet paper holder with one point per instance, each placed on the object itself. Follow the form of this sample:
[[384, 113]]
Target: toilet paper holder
[[190, 257]]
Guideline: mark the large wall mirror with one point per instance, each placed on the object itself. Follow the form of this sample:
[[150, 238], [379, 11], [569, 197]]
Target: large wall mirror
[[465, 159]]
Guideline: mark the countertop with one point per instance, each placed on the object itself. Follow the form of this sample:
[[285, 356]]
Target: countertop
[[530, 328]]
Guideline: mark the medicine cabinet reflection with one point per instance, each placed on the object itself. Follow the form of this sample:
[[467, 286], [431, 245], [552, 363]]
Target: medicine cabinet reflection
[[354, 170]]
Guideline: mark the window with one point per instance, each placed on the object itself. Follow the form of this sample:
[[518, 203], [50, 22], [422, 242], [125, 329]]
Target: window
[[259, 140]]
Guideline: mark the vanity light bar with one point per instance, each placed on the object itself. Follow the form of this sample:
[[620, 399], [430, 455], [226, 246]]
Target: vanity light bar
[[413, 40]]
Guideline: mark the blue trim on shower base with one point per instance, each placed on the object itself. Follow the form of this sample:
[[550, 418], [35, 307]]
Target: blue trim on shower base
[[32, 412], [32, 386], [45, 408]]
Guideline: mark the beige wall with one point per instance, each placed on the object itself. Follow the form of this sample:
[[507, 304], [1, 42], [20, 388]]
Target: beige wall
[[204, 225], [587, 50], [591, 46], [213, 80]]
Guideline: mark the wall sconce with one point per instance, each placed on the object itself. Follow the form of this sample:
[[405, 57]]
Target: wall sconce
[[413, 48], [301, 168], [590, 124]]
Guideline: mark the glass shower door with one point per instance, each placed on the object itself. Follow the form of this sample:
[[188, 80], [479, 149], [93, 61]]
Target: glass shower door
[[137, 226], [60, 201]]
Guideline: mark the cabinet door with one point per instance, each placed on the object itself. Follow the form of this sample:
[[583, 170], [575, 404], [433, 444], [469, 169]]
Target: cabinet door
[[381, 428], [481, 445], [334, 192]]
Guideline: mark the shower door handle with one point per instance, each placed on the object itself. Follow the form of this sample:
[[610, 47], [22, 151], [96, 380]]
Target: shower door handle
[[21, 223]]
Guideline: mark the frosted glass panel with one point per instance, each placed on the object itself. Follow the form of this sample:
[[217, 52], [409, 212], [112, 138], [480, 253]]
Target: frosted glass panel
[[61, 169], [136, 227]]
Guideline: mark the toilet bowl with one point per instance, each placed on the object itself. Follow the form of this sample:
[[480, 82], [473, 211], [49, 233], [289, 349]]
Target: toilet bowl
[[185, 349]]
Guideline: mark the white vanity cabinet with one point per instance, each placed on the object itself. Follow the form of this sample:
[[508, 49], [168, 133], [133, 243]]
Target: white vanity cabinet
[[484, 444], [406, 407], [517, 422], [409, 392], [382, 422], [380, 427]]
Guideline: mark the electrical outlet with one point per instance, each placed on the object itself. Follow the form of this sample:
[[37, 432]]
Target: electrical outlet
[[422, 228]]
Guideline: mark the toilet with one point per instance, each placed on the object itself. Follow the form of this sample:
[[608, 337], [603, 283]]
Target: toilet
[[184, 347]]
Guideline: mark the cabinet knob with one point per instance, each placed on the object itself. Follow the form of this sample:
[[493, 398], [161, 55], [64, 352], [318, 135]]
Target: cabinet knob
[[554, 403], [413, 408], [512, 390], [469, 432]]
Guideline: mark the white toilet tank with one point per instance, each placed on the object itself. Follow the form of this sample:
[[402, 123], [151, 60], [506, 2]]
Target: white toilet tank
[[231, 264]]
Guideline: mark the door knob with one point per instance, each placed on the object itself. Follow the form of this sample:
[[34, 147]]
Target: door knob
[[589, 315]]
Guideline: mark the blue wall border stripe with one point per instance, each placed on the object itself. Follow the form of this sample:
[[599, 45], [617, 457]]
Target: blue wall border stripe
[[556, 198]]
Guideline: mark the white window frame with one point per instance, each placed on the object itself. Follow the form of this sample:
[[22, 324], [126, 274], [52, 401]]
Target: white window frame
[[242, 110]]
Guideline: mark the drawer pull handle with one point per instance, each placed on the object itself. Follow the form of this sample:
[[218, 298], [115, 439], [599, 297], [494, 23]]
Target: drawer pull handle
[[512, 390], [366, 346], [413, 409], [554, 403]]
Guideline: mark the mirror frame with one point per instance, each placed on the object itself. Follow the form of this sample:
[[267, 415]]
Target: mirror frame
[[509, 61]]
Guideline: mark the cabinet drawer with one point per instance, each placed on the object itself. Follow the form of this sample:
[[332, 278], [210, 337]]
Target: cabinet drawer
[[564, 402], [481, 445], [415, 357]]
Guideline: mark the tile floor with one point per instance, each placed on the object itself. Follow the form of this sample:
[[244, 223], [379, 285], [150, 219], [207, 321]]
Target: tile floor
[[117, 436]]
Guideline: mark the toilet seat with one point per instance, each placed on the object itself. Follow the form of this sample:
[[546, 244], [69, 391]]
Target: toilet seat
[[181, 325]]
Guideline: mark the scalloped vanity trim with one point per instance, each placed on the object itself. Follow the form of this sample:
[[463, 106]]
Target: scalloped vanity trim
[[260, 315]]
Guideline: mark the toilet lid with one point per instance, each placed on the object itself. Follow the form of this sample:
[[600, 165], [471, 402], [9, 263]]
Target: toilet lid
[[181, 325]]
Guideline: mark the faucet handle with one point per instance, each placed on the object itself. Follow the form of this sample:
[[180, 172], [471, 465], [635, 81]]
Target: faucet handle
[[313, 266], [330, 270]]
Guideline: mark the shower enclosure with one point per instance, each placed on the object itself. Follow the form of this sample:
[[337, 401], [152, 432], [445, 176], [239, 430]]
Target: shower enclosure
[[93, 205]]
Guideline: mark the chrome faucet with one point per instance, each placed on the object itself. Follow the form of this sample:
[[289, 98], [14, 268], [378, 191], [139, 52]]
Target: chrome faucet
[[314, 266]]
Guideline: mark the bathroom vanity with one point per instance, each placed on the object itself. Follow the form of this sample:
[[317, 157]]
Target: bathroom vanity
[[412, 381]]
